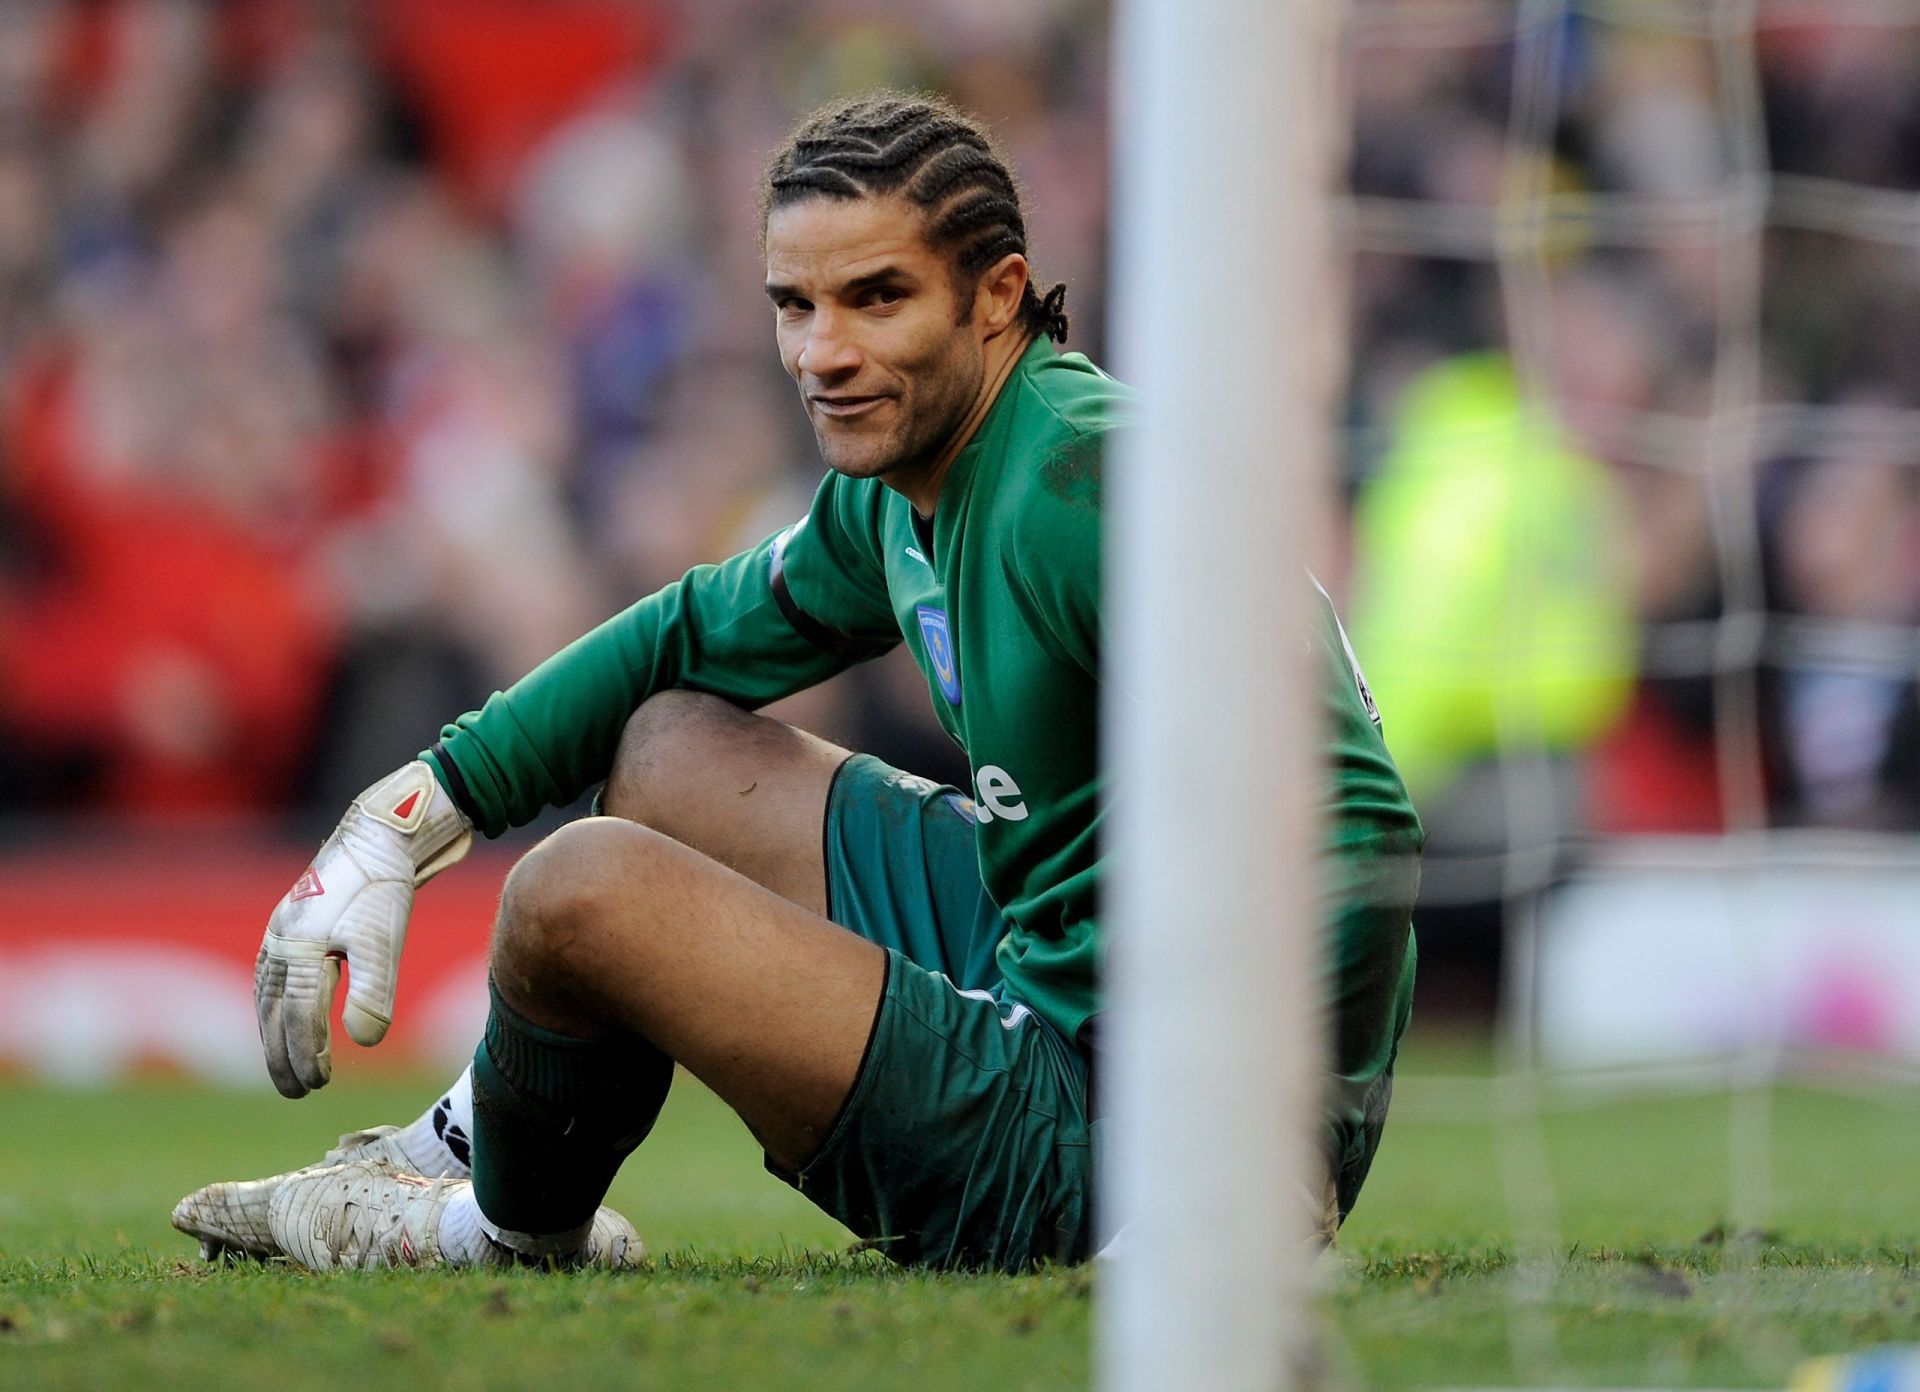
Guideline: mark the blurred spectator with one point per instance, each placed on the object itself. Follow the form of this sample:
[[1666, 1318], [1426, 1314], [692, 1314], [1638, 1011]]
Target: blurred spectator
[[1843, 719], [1493, 613], [1658, 770], [168, 636], [1491, 594]]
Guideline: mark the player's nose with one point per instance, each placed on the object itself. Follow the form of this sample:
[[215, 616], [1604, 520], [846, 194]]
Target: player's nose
[[829, 352]]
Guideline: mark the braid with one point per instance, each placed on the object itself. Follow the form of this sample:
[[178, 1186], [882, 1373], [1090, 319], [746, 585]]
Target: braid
[[929, 152]]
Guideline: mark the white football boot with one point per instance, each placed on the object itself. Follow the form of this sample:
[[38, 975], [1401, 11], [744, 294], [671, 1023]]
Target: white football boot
[[230, 1218], [362, 1216], [377, 1145]]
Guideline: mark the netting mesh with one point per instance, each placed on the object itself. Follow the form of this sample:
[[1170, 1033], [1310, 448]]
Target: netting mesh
[[1688, 232]]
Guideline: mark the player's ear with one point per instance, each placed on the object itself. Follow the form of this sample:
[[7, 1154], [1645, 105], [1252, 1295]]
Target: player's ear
[[997, 299]]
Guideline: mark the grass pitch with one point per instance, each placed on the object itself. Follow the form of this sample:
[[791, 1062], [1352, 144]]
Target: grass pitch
[[1600, 1246]]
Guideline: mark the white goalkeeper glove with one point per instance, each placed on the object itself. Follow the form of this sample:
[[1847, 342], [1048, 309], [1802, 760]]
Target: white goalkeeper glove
[[351, 905]]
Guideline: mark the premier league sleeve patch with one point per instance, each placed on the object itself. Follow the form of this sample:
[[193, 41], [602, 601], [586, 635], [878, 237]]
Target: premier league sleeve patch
[[939, 642]]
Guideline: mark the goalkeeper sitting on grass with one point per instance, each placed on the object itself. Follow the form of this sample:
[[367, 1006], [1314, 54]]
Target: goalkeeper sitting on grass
[[894, 984]]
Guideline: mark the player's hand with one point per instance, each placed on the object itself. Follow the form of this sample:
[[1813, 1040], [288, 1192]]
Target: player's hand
[[351, 905]]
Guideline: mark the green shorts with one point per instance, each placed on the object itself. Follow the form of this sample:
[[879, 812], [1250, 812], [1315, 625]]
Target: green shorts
[[964, 1142], [967, 1140]]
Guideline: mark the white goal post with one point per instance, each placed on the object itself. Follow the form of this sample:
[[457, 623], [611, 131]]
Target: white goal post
[[1223, 311]]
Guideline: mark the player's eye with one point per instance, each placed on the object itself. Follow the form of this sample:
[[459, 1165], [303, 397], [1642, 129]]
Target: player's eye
[[792, 304], [880, 296]]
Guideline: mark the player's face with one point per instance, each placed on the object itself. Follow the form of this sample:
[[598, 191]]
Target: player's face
[[870, 328]]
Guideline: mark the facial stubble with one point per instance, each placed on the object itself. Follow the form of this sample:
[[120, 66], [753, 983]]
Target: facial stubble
[[920, 435]]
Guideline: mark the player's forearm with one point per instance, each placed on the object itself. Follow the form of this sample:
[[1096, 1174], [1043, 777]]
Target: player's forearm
[[552, 735]]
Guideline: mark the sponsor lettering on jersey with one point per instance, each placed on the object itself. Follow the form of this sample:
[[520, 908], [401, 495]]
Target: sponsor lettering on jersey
[[939, 639], [996, 795]]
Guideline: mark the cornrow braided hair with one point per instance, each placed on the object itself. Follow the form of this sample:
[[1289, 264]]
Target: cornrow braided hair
[[928, 151]]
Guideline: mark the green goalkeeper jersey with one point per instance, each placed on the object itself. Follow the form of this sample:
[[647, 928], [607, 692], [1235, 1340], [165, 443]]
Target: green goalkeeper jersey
[[997, 596]]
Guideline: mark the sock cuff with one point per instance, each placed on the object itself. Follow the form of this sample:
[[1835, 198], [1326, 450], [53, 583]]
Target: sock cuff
[[535, 1247], [561, 1070]]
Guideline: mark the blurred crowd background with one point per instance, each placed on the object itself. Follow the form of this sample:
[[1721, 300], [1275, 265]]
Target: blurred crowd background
[[357, 356], [354, 356]]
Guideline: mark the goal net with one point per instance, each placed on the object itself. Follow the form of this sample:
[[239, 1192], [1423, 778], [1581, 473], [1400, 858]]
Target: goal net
[[1631, 448]]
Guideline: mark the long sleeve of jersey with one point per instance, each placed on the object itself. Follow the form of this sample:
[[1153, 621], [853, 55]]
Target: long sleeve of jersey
[[802, 605]]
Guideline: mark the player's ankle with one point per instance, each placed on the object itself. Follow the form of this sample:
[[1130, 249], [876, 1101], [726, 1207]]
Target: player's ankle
[[537, 1249], [438, 1140]]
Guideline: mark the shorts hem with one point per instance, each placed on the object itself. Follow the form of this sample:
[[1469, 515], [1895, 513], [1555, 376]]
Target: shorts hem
[[861, 1086], [826, 843]]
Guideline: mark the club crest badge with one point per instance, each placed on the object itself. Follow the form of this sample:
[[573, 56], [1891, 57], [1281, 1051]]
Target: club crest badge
[[939, 641]]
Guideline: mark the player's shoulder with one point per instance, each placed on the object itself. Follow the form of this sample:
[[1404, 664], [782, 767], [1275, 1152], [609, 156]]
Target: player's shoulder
[[1068, 416], [855, 503], [848, 518], [1065, 395]]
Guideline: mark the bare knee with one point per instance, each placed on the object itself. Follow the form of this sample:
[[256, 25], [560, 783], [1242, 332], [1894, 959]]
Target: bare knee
[[566, 907], [668, 748], [742, 789]]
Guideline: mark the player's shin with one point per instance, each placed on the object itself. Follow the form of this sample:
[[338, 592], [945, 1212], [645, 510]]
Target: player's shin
[[553, 1118]]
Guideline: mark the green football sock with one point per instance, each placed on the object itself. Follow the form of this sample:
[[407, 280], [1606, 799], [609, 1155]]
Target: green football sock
[[553, 1118]]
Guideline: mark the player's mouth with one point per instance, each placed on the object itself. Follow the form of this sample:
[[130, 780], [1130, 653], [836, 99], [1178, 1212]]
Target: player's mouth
[[844, 407]]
